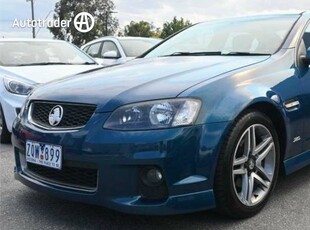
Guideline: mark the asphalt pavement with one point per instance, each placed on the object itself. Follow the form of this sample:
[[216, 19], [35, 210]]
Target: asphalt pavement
[[23, 208]]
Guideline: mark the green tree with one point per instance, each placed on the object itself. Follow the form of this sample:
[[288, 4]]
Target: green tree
[[101, 10], [174, 26], [140, 29]]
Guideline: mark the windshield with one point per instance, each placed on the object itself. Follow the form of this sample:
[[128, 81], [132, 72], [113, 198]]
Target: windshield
[[259, 35], [23, 53], [136, 47]]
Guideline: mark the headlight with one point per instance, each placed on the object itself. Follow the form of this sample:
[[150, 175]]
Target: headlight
[[17, 87], [154, 115]]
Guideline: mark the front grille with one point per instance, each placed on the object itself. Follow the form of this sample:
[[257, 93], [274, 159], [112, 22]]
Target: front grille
[[74, 115], [75, 177]]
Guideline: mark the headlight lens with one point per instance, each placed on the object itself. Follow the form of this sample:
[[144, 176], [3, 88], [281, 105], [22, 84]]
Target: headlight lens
[[154, 115], [17, 87]]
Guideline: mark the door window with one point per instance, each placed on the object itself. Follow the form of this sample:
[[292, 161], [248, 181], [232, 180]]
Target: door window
[[304, 45], [306, 37], [94, 49]]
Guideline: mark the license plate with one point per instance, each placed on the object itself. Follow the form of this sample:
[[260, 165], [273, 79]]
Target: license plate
[[44, 154]]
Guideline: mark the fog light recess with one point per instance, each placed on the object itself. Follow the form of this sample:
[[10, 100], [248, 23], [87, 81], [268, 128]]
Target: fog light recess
[[152, 184]]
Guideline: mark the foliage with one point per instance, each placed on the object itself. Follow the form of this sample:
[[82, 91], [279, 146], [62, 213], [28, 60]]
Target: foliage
[[140, 29], [174, 26], [146, 29], [100, 9]]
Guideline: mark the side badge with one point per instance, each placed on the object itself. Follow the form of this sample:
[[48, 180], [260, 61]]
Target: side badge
[[292, 105], [297, 139]]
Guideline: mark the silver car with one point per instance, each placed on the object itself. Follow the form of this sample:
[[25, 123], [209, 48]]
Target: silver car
[[27, 63], [118, 50]]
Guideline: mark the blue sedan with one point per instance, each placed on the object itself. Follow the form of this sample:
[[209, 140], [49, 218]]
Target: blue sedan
[[207, 119]]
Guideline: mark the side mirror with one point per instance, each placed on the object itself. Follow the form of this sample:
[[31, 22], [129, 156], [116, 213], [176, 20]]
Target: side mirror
[[111, 55], [306, 58]]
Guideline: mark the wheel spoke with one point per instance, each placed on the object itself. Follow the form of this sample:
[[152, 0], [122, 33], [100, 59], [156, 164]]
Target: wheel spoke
[[264, 154], [260, 180], [262, 145], [245, 187], [240, 161], [247, 144], [240, 171], [249, 141], [250, 189], [263, 172], [253, 139]]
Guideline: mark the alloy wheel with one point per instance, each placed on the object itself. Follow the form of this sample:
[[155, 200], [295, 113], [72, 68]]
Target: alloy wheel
[[254, 163]]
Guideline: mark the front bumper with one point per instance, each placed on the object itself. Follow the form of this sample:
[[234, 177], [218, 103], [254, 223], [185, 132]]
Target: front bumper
[[186, 156]]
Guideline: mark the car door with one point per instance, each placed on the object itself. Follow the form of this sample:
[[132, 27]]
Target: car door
[[305, 82]]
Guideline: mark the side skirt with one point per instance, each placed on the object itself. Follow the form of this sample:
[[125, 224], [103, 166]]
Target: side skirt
[[298, 162]]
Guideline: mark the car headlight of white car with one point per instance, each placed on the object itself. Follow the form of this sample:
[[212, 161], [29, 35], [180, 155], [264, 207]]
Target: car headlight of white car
[[17, 87]]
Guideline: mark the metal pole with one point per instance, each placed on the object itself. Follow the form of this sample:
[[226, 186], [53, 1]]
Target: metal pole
[[45, 19], [32, 14], [106, 24]]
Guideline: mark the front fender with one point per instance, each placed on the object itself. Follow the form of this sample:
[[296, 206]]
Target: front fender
[[228, 101], [231, 105]]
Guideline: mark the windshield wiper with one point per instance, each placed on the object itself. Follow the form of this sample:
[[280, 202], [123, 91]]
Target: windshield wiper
[[192, 54], [244, 54], [214, 53], [55, 63], [85, 63], [44, 63]]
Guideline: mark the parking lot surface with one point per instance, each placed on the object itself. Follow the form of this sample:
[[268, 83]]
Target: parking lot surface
[[23, 208]]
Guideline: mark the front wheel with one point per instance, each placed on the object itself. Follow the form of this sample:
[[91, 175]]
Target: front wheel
[[248, 166]]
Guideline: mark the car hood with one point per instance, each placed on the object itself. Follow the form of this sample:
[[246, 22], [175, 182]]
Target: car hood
[[46, 73], [141, 80]]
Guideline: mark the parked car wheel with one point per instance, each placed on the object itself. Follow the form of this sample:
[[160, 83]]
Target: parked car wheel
[[248, 166], [5, 136]]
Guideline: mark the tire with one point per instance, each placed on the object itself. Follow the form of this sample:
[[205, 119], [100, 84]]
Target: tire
[[240, 165], [5, 135]]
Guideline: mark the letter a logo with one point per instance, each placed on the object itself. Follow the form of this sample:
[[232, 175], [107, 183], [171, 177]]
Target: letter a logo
[[84, 22]]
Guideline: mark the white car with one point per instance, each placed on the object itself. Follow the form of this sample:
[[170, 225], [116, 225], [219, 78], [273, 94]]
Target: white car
[[26, 63], [118, 50]]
